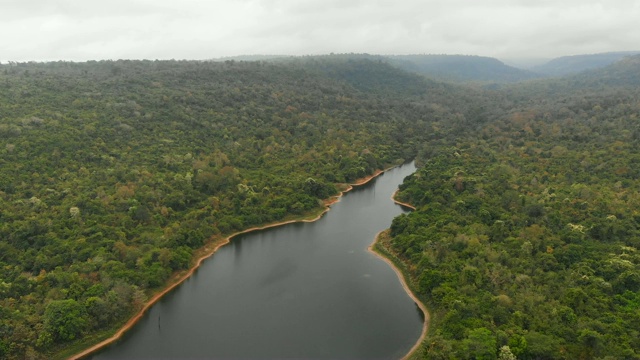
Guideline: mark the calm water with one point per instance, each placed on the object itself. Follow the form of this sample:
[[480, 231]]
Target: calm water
[[307, 290]]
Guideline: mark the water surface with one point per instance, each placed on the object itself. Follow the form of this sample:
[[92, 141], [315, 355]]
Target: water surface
[[305, 290]]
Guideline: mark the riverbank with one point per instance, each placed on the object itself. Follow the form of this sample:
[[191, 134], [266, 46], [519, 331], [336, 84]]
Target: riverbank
[[379, 248], [407, 205], [207, 251]]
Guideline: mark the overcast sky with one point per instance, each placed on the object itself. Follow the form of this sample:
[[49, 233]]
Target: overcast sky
[[44, 30]]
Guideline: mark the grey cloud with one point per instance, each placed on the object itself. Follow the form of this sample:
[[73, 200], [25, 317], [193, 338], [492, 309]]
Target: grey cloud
[[80, 30]]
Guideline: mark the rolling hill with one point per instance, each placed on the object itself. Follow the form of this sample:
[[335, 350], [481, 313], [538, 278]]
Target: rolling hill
[[461, 68], [567, 65]]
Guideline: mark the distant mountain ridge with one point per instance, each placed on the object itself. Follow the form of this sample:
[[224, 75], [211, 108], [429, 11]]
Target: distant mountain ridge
[[448, 68], [254, 57], [625, 72], [567, 65], [621, 76], [461, 68]]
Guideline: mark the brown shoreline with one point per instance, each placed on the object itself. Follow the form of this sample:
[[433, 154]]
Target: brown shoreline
[[208, 253], [407, 205], [425, 311]]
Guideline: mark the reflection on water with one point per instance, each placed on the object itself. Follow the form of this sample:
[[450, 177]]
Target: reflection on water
[[305, 290]]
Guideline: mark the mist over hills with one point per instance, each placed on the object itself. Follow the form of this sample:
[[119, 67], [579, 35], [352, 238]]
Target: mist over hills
[[567, 65], [457, 68], [480, 69], [624, 72], [623, 75], [461, 68]]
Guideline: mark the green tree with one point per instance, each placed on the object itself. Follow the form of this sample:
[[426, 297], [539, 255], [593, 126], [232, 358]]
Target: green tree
[[506, 354], [65, 320], [480, 344]]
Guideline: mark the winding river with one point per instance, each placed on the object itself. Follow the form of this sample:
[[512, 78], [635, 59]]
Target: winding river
[[303, 290]]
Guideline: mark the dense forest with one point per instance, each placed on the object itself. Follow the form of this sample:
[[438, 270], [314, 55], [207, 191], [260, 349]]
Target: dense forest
[[525, 239], [113, 174]]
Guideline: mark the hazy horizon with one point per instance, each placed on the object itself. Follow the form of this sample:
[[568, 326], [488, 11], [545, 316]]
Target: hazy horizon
[[74, 30]]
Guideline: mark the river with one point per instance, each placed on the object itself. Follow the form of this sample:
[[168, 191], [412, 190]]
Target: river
[[303, 290]]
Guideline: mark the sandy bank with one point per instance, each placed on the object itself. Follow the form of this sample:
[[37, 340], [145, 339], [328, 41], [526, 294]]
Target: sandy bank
[[425, 311], [407, 205]]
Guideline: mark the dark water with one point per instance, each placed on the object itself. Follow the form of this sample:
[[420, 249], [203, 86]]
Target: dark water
[[306, 290]]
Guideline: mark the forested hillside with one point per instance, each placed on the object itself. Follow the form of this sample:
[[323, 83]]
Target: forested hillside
[[568, 65], [461, 68], [524, 242], [526, 234], [113, 173]]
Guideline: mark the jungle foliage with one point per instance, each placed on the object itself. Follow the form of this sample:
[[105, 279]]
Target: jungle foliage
[[524, 243], [526, 235], [112, 173]]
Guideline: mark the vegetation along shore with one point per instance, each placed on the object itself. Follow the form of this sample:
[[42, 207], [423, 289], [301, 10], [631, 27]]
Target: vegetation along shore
[[118, 177], [207, 251]]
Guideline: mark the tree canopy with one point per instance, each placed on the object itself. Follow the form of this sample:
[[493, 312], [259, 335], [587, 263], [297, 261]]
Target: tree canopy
[[524, 243], [113, 172], [526, 234]]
